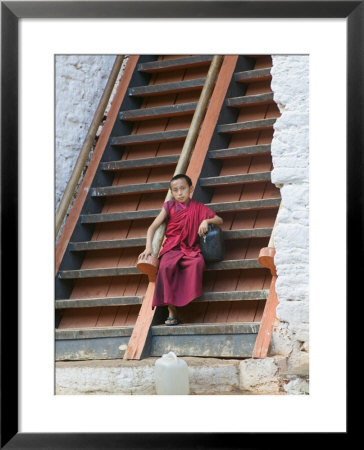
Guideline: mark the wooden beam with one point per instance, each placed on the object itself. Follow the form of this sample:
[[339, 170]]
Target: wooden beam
[[167, 88], [116, 217], [251, 76], [239, 127], [105, 245], [95, 160], [269, 314], [147, 138], [158, 161], [130, 189], [174, 64], [228, 180], [240, 151], [96, 302], [158, 112], [250, 100]]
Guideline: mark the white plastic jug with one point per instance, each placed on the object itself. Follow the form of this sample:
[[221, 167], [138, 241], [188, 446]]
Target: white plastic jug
[[171, 375]]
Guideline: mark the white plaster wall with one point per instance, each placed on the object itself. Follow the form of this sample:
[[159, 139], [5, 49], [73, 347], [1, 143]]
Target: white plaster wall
[[290, 154], [79, 83]]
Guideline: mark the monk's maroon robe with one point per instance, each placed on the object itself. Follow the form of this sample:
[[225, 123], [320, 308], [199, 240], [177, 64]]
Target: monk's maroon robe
[[179, 278]]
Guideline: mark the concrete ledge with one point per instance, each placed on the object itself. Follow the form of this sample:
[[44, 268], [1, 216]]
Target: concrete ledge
[[208, 376]]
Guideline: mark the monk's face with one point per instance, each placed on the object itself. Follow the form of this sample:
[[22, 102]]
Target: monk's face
[[181, 190]]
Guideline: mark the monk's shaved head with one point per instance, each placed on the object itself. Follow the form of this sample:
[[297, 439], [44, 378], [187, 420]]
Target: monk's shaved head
[[182, 175]]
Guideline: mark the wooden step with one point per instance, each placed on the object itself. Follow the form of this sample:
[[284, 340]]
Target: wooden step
[[158, 112], [240, 151], [174, 64], [247, 233], [167, 88], [91, 343], [130, 189], [119, 217], [253, 76], [93, 273], [95, 302], [235, 179], [141, 242], [250, 100], [157, 161], [105, 245], [265, 203], [234, 264], [208, 340], [232, 296], [239, 127], [147, 138]]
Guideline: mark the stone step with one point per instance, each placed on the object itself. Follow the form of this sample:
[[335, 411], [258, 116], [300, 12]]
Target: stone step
[[253, 125], [158, 112], [266, 203], [95, 302], [235, 179], [234, 152], [167, 88], [141, 242], [93, 332], [174, 64], [253, 76], [147, 138], [234, 340], [130, 189], [157, 161], [250, 100]]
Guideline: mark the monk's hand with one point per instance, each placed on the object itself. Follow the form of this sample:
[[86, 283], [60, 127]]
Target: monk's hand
[[147, 252], [203, 228]]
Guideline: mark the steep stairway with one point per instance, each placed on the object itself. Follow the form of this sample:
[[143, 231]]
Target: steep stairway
[[99, 291]]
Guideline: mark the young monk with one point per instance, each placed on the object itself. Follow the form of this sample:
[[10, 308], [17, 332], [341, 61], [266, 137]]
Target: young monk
[[179, 278]]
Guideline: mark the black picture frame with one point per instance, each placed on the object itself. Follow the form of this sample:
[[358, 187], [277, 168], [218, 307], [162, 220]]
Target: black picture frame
[[11, 12]]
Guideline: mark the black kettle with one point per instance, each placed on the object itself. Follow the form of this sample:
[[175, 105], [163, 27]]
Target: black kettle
[[212, 244]]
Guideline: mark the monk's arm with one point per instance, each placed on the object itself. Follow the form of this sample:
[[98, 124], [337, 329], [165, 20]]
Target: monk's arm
[[204, 226], [150, 233]]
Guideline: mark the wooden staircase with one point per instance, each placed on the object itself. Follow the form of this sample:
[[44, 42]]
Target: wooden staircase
[[99, 291]]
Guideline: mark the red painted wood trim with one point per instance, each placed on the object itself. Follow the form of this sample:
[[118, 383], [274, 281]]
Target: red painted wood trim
[[266, 326], [95, 160], [146, 314], [210, 120], [266, 259]]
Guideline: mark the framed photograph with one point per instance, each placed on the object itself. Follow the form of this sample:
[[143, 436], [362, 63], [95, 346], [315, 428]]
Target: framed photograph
[[31, 34]]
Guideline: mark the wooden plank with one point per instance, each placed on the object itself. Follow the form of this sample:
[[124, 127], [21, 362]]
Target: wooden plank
[[177, 63], [103, 245], [158, 112], [130, 189], [240, 151], [158, 161], [265, 332], [233, 296], [228, 180], [206, 329], [145, 138], [92, 348], [115, 217], [250, 100], [247, 233], [219, 346], [245, 205], [94, 302], [251, 76], [95, 159], [92, 332], [167, 88], [234, 264], [142, 325], [90, 273], [254, 125]]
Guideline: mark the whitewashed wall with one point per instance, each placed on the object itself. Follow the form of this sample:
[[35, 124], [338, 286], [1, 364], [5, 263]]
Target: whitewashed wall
[[80, 81]]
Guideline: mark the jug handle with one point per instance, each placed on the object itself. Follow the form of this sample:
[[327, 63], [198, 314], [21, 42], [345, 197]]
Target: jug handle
[[171, 355]]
